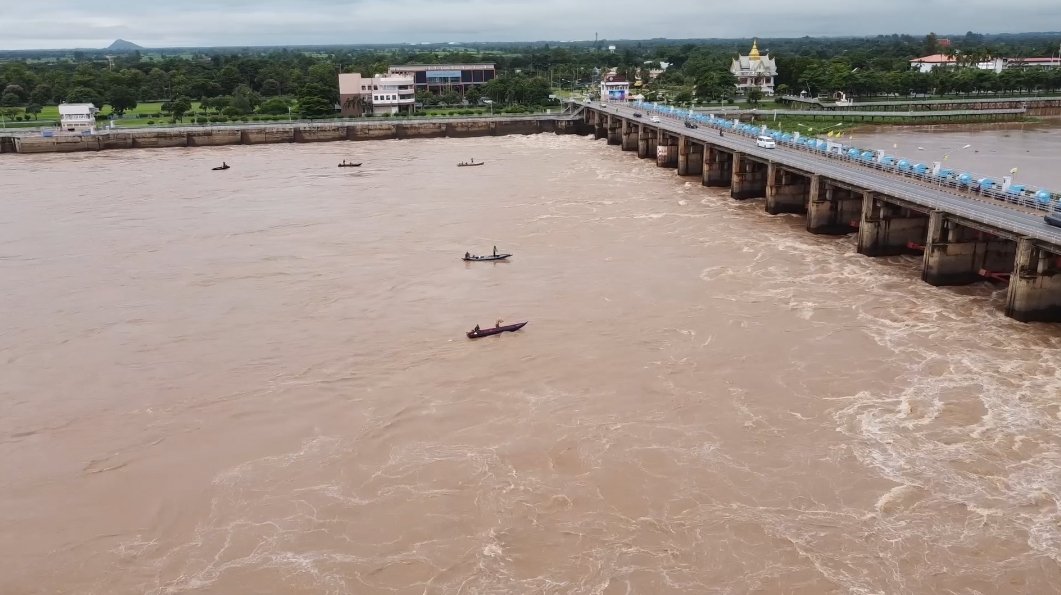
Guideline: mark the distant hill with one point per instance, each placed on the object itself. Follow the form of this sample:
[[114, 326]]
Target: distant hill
[[121, 44]]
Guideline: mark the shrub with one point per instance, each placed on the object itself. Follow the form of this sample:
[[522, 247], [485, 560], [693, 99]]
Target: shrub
[[150, 122]]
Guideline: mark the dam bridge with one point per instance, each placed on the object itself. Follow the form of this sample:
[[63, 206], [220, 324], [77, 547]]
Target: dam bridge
[[965, 233]]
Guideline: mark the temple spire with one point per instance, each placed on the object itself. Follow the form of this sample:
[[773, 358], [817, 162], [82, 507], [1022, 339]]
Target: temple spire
[[754, 54]]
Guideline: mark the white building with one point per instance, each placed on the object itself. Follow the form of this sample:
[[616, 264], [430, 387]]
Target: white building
[[614, 87], [381, 94], [754, 71], [77, 118], [997, 65]]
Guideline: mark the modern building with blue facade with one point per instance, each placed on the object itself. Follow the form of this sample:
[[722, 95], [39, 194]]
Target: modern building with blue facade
[[440, 78]]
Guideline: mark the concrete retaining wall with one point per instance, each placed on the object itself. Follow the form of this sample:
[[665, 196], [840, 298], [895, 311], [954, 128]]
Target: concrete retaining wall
[[261, 136], [372, 132], [214, 138], [425, 130], [319, 134], [57, 144], [253, 135], [468, 129], [158, 140]]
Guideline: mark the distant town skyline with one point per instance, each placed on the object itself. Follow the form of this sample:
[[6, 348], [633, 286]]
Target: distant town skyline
[[60, 24]]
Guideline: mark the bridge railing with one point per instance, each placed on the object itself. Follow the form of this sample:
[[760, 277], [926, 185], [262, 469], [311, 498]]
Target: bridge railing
[[964, 185]]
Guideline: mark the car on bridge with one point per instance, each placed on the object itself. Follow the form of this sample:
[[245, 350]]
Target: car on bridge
[[765, 142], [1053, 219], [690, 124], [655, 118]]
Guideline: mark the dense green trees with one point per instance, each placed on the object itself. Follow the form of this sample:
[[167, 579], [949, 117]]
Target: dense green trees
[[518, 88], [237, 81], [121, 99]]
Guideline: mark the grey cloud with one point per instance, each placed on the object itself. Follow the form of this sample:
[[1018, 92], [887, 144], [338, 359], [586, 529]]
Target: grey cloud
[[65, 23]]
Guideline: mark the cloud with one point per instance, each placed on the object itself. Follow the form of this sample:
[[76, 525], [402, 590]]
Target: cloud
[[65, 23]]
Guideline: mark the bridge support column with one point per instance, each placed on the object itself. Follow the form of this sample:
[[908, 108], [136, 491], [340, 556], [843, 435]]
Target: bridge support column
[[832, 209], [629, 132], [600, 126], [1035, 287], [749, 178], [667, 150], [718, 167], [787, 192], [886, 229], [615, 135], [955, 255], [646, 141], [690, 157]]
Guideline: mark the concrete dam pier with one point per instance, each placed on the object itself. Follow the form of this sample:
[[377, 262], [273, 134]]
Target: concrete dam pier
[[252, 134], [963, 238]]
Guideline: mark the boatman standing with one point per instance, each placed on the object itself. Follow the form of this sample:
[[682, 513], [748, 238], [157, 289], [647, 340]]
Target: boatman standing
[[495, 250]]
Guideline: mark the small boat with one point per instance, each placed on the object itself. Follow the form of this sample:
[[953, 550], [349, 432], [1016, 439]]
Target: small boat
[[470, 163], [222, 167], [486, 332], [345, 164], [472, 257]]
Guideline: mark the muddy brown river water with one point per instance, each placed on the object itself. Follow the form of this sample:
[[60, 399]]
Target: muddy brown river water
[[257, 381]]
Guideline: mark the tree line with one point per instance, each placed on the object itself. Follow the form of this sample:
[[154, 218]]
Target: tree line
[[271, 81]]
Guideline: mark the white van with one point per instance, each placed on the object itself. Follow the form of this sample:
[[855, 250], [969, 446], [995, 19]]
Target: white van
[[765, 142]]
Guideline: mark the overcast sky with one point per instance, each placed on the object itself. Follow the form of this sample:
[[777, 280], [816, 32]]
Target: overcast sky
[[70, 23]]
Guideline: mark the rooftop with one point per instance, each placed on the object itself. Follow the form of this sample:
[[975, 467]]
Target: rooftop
[[407, 67]]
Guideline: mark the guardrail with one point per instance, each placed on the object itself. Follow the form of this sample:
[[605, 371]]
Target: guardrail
[[315, 123], [959, 185]]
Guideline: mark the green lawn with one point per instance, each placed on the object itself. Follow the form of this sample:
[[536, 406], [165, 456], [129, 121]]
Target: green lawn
[[137, 116]]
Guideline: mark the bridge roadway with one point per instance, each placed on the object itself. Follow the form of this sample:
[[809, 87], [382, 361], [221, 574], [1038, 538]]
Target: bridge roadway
[[1003, 218]]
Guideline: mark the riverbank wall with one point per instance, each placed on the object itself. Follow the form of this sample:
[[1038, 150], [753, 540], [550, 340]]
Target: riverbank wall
[[253, 134]]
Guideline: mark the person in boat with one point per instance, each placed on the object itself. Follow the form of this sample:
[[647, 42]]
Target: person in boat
[[467, 255], [495, 250], [476, 329], [498, 323]]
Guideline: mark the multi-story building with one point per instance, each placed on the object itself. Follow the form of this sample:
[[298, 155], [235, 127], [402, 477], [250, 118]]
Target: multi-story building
[[441, 78], [614, 87], [379, 94], [77, 118], [754, 71], [930, 63]]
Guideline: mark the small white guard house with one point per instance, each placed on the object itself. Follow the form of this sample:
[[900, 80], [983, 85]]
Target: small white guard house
[[78, 118]]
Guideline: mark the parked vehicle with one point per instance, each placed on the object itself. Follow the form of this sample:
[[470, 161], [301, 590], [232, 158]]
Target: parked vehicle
[[655, 118], [637, 115], [765, 142], [689, 124]]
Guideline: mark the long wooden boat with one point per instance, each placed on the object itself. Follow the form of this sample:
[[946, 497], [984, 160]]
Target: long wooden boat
[[221, 167], [487, 257], [349, 165], [471, 164], [486, 332]]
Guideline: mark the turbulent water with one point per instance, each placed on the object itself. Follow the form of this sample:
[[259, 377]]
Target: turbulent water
[[257, 381]]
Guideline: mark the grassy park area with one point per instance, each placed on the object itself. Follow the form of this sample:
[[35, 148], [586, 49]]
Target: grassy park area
[[138, 116]]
